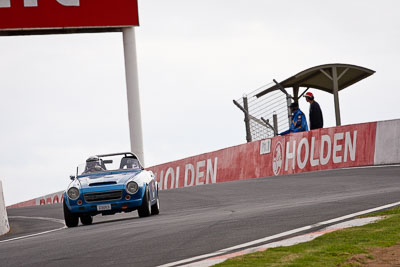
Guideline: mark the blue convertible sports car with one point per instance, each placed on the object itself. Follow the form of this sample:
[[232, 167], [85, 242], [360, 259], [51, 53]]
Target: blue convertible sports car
[[107, 184]]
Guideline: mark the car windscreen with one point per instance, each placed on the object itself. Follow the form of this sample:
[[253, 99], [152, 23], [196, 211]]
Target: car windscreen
[[109, 163]]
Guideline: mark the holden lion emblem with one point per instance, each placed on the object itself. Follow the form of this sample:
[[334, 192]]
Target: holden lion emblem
[[277, 159]]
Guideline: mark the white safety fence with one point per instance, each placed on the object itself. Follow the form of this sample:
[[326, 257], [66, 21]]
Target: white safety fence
[[4, 225]]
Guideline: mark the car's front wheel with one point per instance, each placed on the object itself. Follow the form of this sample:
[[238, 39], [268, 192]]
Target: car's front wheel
[[145, 209], [71, 220], [86, 220]]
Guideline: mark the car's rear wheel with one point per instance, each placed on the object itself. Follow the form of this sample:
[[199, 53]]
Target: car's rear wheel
[[145, 209], [155, 209], [86, 220], [71, 220]]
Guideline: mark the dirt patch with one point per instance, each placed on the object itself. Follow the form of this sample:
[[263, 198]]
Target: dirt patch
[[377, 257]]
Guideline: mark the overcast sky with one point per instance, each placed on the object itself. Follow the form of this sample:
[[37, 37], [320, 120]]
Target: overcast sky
[[63, 97]]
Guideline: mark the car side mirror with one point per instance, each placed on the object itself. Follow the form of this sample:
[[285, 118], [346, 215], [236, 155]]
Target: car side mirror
[[72, 177]]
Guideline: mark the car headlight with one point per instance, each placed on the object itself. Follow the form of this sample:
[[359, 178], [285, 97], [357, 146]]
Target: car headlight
[[73, 193], [132, 188]]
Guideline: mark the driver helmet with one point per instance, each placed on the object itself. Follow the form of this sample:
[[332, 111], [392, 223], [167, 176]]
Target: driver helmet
[[93, 164]]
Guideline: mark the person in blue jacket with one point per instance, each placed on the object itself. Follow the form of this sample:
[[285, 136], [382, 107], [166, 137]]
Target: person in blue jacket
[[298, 122]]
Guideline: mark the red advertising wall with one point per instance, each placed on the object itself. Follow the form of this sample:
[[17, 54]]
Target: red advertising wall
[[27, 203], [51, 14], [323, 149], [45, 200]]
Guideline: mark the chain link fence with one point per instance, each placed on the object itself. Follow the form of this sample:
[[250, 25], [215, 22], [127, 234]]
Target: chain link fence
[[266, 116]]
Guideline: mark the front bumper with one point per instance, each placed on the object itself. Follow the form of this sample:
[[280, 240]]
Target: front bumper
[[120, 205]]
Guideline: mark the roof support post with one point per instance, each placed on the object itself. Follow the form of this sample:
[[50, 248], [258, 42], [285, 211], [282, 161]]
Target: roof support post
[[296, 93], [336, 95]]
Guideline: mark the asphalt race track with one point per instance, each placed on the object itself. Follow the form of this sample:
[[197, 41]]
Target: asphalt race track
[[197, 220]]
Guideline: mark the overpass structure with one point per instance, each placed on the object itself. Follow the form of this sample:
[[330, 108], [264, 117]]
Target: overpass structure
[[33, 17]]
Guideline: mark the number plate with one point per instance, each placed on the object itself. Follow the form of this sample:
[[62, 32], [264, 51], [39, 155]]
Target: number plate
[[104, 207]]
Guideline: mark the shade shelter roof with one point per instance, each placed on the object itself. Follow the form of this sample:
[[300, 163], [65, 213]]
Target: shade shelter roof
[[330, 78], [320, 77]]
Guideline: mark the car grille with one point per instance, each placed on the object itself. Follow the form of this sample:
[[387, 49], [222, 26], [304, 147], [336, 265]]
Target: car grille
[[103, 196], [102, 183]]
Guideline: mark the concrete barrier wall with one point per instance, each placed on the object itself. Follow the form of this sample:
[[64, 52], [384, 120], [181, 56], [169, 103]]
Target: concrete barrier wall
[[45, 200], [4, 225], [363, 144], [387, 142], [323, 149]]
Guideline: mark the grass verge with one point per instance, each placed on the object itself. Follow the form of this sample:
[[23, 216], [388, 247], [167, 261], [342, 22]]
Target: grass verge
[[332, 249]]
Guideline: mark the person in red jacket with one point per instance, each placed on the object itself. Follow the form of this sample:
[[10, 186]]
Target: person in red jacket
[[316, 119]]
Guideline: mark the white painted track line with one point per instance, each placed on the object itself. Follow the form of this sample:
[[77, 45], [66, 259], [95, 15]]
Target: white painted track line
[[27, 236], [287, 233], [38, 218], [37, 234], [286, 242], [369, 167]]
